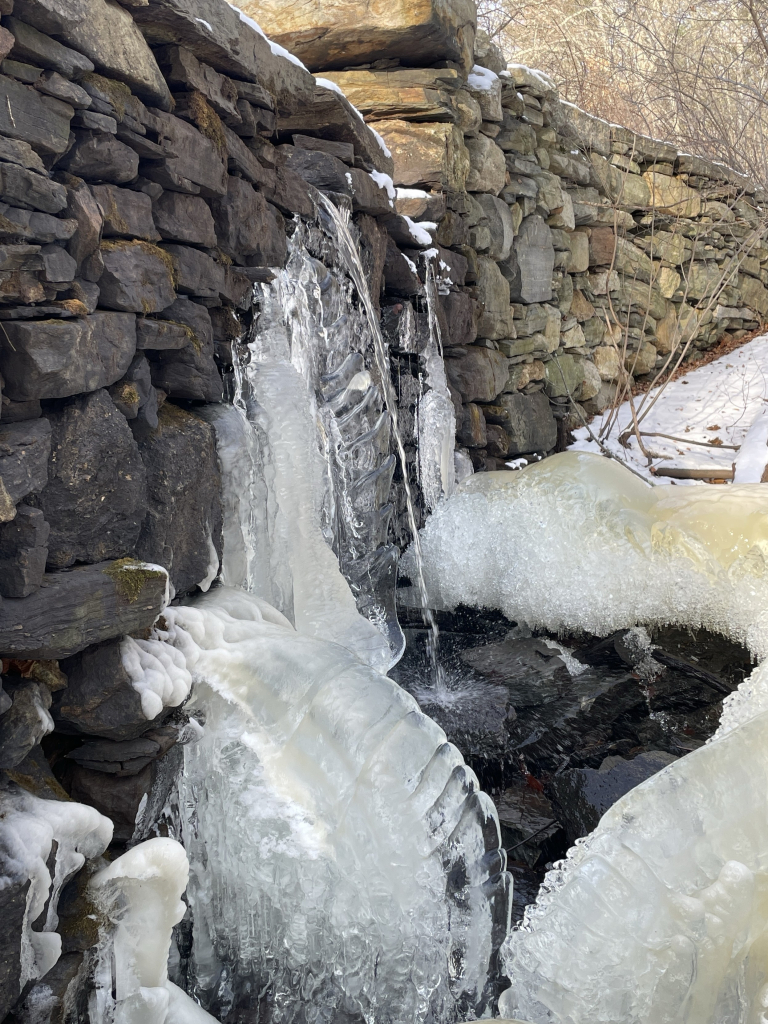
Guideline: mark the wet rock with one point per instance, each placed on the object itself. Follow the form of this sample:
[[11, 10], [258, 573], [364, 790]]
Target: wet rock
[[127, 214], [51, 998], [96, 492], [189, 372], [26, 722], [24, 451], [28, 116], [187, 219], [106, 33], [246, 229], [99, 699], [289, 193], [323, 170], [117, 798], [527, 421], [338, 35], [471, 427], [96, 156], [22, 187], [367, 195], [195, 273], [400, 277], [479, 375], [528, 822], [124, 757], [13, 905], [83, 606], [59, 358], [182, 530], [583, 795], [137, 277], [23, 552]]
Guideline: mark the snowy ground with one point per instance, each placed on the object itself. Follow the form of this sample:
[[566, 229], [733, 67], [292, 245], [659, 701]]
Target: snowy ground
[[717, 402]]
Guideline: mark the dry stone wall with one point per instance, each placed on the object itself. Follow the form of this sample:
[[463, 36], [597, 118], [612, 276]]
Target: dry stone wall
[[588, 255]]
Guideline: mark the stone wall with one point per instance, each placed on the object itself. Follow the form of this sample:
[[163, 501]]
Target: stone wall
[[581, 255]]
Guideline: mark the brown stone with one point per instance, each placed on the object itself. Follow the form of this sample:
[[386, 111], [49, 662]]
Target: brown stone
[[479, 375], [427, 154], [405, 94], [340, 33]]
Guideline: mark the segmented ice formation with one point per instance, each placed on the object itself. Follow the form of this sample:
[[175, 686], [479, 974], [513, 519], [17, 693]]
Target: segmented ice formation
[[139, 895], [32, 830], [342, 857], [157, 672], [577, 542], [660, 915]]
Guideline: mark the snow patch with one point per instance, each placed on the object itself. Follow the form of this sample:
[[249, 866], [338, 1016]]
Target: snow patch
[[276, 48], [385, 181], [752, 457], [482, 79]]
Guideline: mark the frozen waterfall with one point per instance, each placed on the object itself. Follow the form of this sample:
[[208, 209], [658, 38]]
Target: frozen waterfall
[[659, 916]]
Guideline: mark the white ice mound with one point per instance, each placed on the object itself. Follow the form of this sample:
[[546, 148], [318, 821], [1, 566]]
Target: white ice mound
[[659, 916], [139, 896], [342, 857], [578, 542]]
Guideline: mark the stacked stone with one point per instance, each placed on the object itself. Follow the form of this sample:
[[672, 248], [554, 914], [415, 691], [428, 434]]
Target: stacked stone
[[143, 190], [574, 253]]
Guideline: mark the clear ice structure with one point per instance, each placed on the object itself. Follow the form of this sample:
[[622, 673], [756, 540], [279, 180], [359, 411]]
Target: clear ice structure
[[345, 865], [660, 916]]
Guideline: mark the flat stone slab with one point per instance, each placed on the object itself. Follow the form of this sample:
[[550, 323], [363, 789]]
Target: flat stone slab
[[80, 607]]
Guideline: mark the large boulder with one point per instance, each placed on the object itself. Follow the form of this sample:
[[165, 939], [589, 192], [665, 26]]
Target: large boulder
[[96, 493], [58, 358], [182, 530], [246, 229], [340, 33], [84, 606], [28, 116]]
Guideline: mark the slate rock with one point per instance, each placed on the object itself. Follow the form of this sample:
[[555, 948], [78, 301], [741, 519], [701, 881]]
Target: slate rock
[[29, 226], [105, 32], [58, 266], [471, 430], [83, 606], [529, 268], [23, 552], [527, 420], [195, 273], [289, 193], [479, 375], [28, 116], [99, 699], [26, 722], [37, 48], [13, 907], [16, 412], [195, 158], [127, 214], [52, 84], [50, 999], [134, 394], [59, 358], [182, 68], [83, 208], [99, 156], [160, 334], [493, 294], [583, 795], [122, 758], [189, 372], [22, 187], [186, 219], [400, 277], [461, 315], [21, 153], [246, 229], [326, 172], [96, 491], [117, 798], [24, 451], [20, 270], [137, 277], [182, 530]]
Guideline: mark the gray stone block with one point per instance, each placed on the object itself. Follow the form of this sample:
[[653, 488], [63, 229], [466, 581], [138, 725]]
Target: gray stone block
[[127, 214], [37, 48], [184, 517], [25, 723], [29, 226], [246, 229], [194, 272], [479, 375], [24, 451], [28, 116], [96, 493], [99, 156], [189, 372], [137, 277], [160, 334], [23, 552], [529, 268], [58, 266], [59, 358], [22, 187], [195, 158], [527, 421], [86, 212], [185, 219], [84, 606]]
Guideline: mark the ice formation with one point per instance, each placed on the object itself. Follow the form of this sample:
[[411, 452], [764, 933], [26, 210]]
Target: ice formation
[[339, 846], [157, 672], [576, 542], [139, 894], [31, 829]]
